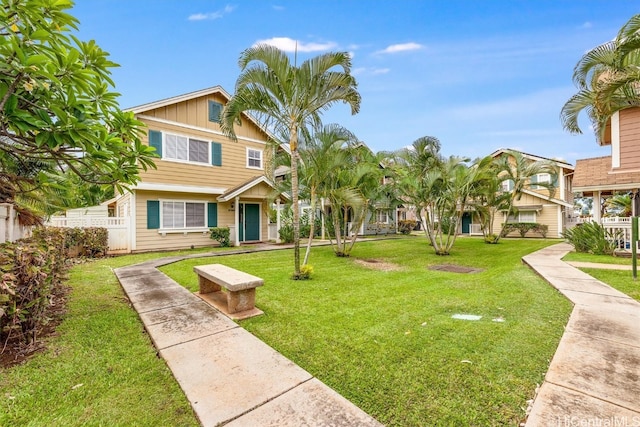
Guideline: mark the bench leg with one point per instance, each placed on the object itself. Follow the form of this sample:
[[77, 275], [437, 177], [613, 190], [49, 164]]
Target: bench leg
[[241, 300], [207, 286]]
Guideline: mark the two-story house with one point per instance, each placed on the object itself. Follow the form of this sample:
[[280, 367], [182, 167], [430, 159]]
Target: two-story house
[[203, 179], [618, 173], [537, 203]]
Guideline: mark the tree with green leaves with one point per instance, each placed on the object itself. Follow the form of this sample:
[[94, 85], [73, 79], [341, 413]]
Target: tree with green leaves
[[58, 113], [518, 173], [608, 80], [439, 188], [289, 100]]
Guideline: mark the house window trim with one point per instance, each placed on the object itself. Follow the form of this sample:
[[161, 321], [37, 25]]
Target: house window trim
[[187, 162], [387, 213], [519, 219], [248, 150], [165, 230]]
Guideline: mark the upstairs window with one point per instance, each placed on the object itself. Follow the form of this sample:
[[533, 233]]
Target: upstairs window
[[215, 110], [183, 148], [254, 158], [541, 178], [506, 185]]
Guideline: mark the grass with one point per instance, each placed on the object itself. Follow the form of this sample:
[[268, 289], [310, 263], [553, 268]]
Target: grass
[[601, 259], [100, 368], [386, 340]]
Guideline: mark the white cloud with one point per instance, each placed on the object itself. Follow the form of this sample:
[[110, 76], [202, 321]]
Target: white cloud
[[380, 70], [211, 15], [402, 47], [290, 45], [587, 25], [277, 7]]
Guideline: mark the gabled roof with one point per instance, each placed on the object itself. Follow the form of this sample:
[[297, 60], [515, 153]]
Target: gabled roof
[[192, 95], [547, 198], [180, 98], [533, 157], [595, 174], [236, 191]]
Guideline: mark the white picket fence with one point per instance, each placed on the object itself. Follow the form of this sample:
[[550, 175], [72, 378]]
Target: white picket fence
[[117, 227], [10, 228]]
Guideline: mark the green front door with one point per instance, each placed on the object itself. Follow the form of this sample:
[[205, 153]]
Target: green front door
[[466, 223], [249, 222]]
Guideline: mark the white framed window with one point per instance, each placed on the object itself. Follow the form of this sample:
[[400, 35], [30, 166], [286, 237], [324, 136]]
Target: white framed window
[[178, 147], [523, 216], [382, 216], [541, 178], [506, 185], [254, 158], [182, 214]]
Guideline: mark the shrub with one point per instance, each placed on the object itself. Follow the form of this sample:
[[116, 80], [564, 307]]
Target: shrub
[[491, 239], [305, 273], [31, 269], [591, 237], [406, 226], [91, 242], [523, 228], [222, 235]]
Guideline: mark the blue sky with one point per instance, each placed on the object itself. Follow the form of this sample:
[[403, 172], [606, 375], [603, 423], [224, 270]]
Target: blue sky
[[478, 75]]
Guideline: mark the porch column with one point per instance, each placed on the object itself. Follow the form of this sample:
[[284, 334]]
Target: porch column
[[635, 203], [236, 214], [278, 220], [597, 205]]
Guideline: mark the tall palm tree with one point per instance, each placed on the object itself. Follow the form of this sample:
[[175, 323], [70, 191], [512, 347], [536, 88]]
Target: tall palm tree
[[289, 99], [608, 79]]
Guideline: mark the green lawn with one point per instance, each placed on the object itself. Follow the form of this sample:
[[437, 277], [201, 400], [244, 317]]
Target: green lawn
[[386, 340], [601, 259], [100, 370]]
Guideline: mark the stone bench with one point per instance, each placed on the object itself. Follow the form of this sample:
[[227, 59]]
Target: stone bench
[[231, 291]]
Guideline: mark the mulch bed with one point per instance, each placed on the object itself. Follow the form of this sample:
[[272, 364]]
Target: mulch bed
[[452, 268], [17, 352]]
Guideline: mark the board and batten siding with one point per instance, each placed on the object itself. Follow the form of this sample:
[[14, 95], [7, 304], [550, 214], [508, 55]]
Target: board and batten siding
[[630, 139], [152, 240], [195, 112]]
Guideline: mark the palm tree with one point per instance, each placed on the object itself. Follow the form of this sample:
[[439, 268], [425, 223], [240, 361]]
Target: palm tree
[[620, 203], [515, 168], [608, 78], [289, 100]]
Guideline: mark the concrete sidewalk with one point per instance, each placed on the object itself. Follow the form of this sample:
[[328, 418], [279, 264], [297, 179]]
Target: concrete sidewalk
[[594, 377], [229, 376]]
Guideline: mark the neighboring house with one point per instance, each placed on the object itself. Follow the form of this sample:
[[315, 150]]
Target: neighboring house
[[203, 179], [536, 203], [600, 177]]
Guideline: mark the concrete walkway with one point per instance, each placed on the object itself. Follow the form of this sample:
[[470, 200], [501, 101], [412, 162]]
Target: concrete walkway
[[594, 377], [229, 376]]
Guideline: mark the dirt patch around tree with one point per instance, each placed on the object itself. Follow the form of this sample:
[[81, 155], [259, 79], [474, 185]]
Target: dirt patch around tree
[[17, 352], [378, 264], [452, 268]]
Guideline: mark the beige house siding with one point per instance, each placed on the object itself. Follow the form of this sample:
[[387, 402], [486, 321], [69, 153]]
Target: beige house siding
[[547, 215], [153, 239], [195, 112], [630, 139], [234, 161]]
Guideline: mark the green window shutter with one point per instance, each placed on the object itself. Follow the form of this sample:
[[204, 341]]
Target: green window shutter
[[216, 154], [155, 141], [215, 108], [510, 185], [554, 180], [212, 214], [153, 214]]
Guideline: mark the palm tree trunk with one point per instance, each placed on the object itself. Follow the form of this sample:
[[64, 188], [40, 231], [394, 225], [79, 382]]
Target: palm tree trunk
[[294, 199], [312, 221]]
